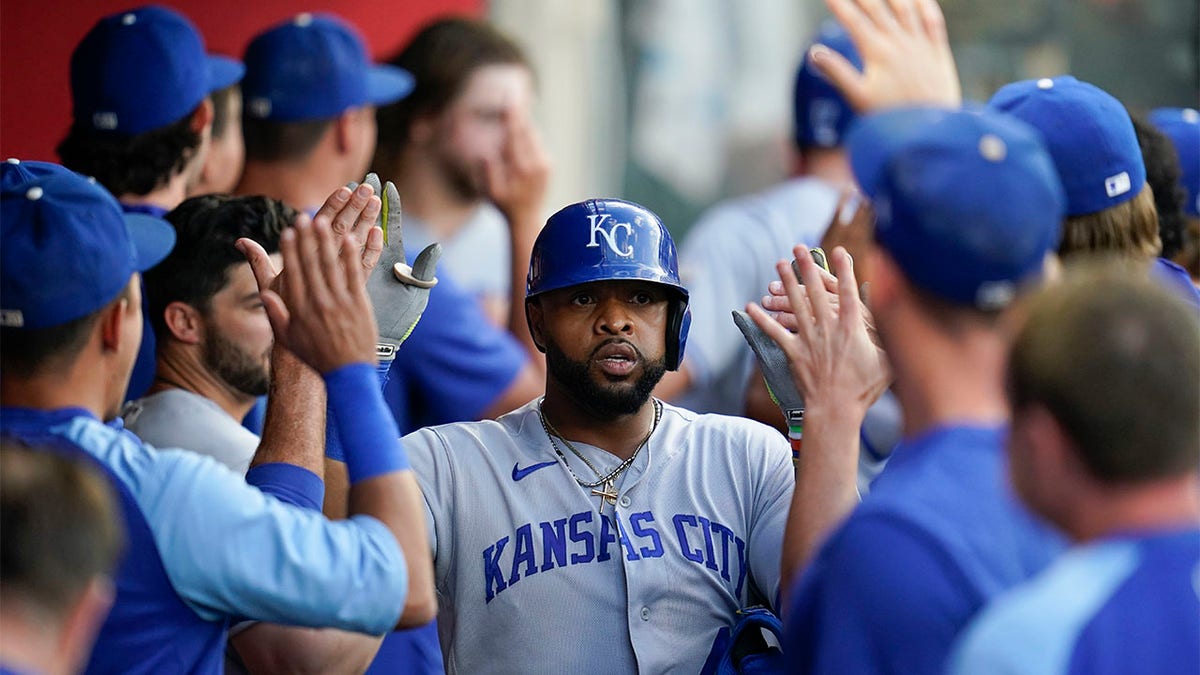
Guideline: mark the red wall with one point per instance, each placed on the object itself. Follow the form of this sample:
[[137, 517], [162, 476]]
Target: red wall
[[36, 39]]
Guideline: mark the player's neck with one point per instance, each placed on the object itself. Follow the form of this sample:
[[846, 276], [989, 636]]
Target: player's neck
[[177, 370], [166, 197], [619, 435], [303, 186], [1160, 505], [962, 385]]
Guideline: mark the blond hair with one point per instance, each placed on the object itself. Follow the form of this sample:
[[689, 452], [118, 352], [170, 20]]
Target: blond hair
[[1129, 228]]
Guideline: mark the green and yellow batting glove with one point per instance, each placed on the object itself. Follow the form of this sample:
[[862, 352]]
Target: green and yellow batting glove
[[399, 293], [778, 376]]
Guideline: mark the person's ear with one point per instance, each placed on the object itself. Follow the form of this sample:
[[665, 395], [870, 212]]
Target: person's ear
[[887, 281], [184, 322], [345, 131], [203, 117], [422, 130], [535, 318]]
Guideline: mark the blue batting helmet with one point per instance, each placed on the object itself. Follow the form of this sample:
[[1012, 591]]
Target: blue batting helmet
[[608, 240]]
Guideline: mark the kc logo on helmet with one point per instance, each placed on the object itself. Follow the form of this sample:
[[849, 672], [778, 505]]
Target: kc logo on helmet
[[597, 226]]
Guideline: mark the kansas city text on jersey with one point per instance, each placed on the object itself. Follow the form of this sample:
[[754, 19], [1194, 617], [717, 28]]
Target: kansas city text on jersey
[[541, 547]]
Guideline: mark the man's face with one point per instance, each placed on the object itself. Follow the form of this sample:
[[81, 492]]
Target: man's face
[[130, 344], [237, 338], [471, 129], [226, 154], [605, 342]]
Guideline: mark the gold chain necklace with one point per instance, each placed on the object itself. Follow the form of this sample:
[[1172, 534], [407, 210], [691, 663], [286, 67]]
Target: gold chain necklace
[[609, 491]]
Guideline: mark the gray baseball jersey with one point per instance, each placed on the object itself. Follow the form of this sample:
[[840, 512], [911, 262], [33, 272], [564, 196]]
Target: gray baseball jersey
[[727, 260], [522, 556]]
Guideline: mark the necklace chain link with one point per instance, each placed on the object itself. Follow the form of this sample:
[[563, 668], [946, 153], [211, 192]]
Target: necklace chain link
[[553, 433]]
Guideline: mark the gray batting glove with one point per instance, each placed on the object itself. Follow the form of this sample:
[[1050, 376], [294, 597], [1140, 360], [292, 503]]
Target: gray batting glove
[[774, 366], [399, 293]]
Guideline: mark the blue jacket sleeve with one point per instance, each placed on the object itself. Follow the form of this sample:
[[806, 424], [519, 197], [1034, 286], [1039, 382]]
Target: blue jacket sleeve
[[455, 363], [880, 597]]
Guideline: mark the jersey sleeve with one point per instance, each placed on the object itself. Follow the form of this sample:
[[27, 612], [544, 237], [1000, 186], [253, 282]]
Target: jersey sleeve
[[248, 554], [428, 453], [879, 597], [454, 365]]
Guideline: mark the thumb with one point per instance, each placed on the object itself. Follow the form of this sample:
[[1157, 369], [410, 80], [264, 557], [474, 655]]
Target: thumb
[[425, 266], [844, 76]]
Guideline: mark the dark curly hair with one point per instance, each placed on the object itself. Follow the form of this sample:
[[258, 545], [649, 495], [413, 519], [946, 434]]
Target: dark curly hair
[[206, 228], [135, 165], [1162, 173]]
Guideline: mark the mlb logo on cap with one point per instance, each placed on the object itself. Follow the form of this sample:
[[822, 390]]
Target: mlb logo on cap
[[315, 66], [1089, 135]]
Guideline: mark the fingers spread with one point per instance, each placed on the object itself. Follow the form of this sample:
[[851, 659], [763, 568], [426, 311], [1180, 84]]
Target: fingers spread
[[334, 203]]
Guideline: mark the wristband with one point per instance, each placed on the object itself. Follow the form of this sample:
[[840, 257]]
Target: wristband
[[367, 430], [795, 433], [333, 441]]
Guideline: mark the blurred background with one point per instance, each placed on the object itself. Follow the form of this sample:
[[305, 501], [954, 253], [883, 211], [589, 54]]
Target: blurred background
[[671, 103]]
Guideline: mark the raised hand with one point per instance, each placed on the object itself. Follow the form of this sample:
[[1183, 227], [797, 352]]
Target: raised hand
[[321, 312], [905, 52], [399, 293], [831, 355], [352, 213], [516, 181]]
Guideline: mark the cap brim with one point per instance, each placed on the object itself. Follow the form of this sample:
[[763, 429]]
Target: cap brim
[[223, 72], [388, 84], [874, 140], [153, 238]]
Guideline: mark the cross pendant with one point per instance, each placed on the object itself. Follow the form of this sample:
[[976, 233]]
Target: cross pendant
[[606, 493]]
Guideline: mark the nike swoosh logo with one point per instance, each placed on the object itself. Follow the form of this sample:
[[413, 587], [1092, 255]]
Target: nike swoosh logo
[[519, 473]]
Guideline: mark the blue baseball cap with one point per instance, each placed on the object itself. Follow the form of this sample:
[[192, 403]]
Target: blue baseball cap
[[1182, 126], [967, 202], [68, 249], [142, 70], [1089, 135], [315, 66], [821, 116]]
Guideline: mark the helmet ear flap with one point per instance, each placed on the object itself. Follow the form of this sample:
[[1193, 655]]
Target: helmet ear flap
[[679, 320]]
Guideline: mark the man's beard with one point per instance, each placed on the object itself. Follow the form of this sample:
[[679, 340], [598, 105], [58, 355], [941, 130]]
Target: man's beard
[[605, 402], [238, 369]]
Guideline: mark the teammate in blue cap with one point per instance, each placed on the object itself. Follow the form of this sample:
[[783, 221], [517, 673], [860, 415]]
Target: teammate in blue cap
[[967, 210], [1106, 445], [141, 82], [308, 104], [205, 547], [597, 509]]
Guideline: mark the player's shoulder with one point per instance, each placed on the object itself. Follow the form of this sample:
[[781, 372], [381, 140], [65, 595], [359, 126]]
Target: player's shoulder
[[722, 433], [1046, 614], [456, 437]]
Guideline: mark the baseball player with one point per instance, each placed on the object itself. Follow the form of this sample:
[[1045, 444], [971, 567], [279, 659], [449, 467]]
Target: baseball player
[[938, 535], [1105, 445], [639, 526], [207, 545]]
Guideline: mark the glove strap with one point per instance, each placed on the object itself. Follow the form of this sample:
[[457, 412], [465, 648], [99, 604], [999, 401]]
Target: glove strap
[[795, 422]]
